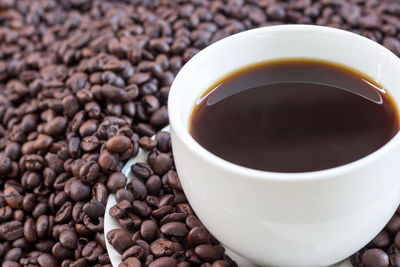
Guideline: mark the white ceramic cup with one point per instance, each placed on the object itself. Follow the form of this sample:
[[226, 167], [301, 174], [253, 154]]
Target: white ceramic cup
[[280, 219]]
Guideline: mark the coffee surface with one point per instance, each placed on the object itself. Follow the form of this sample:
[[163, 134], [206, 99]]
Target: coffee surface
[[294, 115]]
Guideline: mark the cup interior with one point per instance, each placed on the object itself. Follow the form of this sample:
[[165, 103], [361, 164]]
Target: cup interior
[[271, 43]]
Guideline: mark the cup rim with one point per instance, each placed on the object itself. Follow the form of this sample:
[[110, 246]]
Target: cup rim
[[183, 133]]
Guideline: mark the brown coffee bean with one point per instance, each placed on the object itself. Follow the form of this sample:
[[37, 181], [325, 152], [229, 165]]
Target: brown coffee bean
[[89, 127], [79, 191], [99, 192], [94, 209], [147, 143], [393, 225], [108, 161], [89, 143], [55, 126], [34, 162], [64, 214], [207, 253], [220, 263], [141, 209], [124, 194], [118, 143], [138, 189], [68, 239], [60, 252], [141, 170], [135, 251], [164, 262], [198, 235], [160, 117], [30, 230], [382, 240], [149, 230], [47, 260], [11, 230], [89, 171], [120, 239], [92, 251], [113, 93], [163, 141], [177, 229], [192, 221], [375, 258], [12, 197], [153, 185], [161, 248], [116, 181], [130, 262]]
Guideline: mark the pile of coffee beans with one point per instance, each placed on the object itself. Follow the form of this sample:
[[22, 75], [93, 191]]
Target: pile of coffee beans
[[84, 82], [160, 227]]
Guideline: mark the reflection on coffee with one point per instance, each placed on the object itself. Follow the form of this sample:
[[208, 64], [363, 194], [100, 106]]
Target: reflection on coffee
[[294, 115]]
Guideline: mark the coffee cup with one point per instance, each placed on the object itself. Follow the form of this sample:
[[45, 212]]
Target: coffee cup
[[286, 219]]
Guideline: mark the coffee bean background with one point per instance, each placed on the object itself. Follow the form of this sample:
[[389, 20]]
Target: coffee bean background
[[84, 83]]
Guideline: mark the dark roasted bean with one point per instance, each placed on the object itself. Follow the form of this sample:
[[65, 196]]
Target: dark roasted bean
[[375, 258], [177, 229], [120, 239], [130, 262], [116, 181], [141, 170], [164, 262]]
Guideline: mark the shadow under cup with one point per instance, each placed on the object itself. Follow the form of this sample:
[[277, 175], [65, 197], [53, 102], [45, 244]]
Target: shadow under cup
[[279, 219]]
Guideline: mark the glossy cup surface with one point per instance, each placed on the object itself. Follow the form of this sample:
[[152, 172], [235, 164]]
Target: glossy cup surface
[[278, 219]]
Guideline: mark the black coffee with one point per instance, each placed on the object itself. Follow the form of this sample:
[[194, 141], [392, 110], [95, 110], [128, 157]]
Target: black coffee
[[294, 115]]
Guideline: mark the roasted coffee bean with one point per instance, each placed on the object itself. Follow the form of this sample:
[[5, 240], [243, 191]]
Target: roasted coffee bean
[[135, 251], [141, 209], [147, 143], [163, 141], [60, 252], [198, 235], [92, 251], [153, 185], [118, 143], [116, 181], [207, 253], [192, 221], [68, 239], [13, 254], [120, 239], [12, 197], [124, 194], [161, 163], [173, 217], [149, 230], [79, 191], [11, 230], [47, 260], [94, 209], [89, 171], [220, 263], [375, 258], [55, 126], [161, 248], [30, 230], [138, 189], [130, 262], [383, 240], [177, 229], [164, 262], [141, 170]]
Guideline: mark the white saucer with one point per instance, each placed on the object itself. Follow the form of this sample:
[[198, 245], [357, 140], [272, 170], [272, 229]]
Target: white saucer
[[111, 223]]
